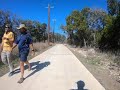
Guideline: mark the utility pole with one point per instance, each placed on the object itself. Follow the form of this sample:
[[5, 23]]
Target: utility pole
[[49, 22], [54, 20]]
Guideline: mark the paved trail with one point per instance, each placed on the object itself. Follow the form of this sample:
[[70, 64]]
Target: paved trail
[[55, 69]]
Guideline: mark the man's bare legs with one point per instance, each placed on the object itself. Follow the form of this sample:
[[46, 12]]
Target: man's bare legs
[[22, 69], [22, 72], [27, 63]]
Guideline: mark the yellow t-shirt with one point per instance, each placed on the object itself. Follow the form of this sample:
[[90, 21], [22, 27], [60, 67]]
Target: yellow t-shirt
[[7, 45]]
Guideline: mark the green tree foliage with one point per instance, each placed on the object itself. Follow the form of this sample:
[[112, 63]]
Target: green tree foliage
[[96, 28], [5, 17], [113, 7], [37, 29], [76, 23], [59, 38], [111, 35], [84, 27]]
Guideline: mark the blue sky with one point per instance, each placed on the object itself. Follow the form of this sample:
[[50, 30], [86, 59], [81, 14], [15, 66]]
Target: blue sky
[[35, 9]]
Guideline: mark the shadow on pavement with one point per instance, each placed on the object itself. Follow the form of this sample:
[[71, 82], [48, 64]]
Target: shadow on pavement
[[16, 71], [80, 86], [38, 67]]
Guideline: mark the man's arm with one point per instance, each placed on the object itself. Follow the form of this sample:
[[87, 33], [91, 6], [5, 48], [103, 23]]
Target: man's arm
[[16, 43], [32, 48], [30, 42]]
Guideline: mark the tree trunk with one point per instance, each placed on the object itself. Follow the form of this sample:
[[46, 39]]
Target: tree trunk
[[85, 43], [94, 40], [44, 36]]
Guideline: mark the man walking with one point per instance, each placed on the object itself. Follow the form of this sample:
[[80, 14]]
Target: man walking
[[6, 48], [24, 42]]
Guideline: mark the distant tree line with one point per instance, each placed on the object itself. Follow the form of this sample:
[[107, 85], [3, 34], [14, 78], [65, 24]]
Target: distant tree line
[[35, 28], [95, 28]]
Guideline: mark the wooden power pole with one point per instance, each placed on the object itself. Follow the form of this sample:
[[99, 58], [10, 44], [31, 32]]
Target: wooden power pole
[[49, 22]]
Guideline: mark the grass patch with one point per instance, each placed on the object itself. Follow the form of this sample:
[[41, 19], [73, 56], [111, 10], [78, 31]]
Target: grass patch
[[117, 60], [93, 60]]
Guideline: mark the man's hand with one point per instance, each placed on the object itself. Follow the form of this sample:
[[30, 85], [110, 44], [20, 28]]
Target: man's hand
[[33, 53]]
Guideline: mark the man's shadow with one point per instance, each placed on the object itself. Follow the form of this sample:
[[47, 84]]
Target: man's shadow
[[80, 86], [38, 66]]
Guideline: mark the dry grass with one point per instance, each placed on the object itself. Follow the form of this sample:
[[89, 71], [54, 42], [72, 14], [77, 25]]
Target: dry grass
[[37, 46], [101, 61], [40, 46], [99, 58]]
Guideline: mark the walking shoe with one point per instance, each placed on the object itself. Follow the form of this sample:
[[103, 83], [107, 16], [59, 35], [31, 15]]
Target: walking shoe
[[29, 69], [21, 80], [11, 73]]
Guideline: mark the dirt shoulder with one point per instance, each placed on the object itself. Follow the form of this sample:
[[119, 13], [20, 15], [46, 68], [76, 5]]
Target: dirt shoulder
[[100, 66]]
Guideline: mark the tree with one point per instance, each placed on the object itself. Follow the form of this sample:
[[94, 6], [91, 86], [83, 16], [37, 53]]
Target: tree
[[113, 7], [76, 25], [59, 38], [35, 28], [83, 27], [111, 35], [43, 28], [4, 19]]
